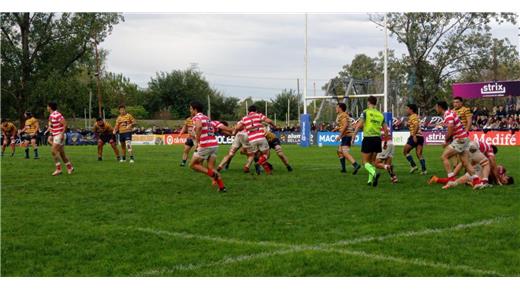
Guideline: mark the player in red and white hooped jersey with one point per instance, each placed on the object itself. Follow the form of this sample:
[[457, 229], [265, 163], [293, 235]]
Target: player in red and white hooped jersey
[[253, 122], [207, 145], [459, 145], [240, 142], [57, 128]]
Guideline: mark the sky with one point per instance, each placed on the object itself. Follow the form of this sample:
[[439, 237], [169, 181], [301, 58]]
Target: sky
[[244, 55]]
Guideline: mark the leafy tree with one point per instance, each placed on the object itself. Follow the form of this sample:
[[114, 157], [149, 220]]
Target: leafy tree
[[279, 104]]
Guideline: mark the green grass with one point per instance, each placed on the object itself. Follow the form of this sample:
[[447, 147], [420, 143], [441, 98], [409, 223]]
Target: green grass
[[111, 219]]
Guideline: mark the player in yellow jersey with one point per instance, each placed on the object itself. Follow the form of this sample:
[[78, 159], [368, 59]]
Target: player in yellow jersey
[[416, 139], [274, 143], [187, 128], [104, 134], [124, 126], [29, 133], [8, 136], [464, 113], [344, 127]]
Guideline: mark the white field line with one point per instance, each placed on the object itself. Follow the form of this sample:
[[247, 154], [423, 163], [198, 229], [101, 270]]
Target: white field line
[[324, 247]]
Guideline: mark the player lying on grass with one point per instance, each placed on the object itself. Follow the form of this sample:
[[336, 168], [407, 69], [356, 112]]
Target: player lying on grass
[[57, 127], [344, 127], [8, 136], [459, 143], [253, 122], [207, 145], [275, 144], [104, 133]]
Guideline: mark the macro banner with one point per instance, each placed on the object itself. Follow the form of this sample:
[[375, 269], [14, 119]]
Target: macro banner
[[486, 89], [498, 138], [329, 139]]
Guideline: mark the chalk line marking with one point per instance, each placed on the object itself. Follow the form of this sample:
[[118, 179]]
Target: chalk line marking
[[324, 247]]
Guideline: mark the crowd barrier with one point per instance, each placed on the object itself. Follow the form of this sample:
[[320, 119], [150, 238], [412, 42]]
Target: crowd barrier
[[436, 137]]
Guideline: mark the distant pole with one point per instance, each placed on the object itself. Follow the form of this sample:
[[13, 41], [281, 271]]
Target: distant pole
[[299, 97], [386, 66], [314, 101], [89, 107], [209, 108], [305, 79], [275, 119], [288, 109], [85, 114], [266, 107], [98, 80], [246, 107]]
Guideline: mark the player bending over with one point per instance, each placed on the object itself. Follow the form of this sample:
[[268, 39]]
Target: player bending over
[[57, 127], [207, 145], [274, 143], [386, 157], [459, 145], [344, 127], [259, 146], [104, 133], [416, 140], [8, 136], [372, 122], [124, 126], [29, 133]]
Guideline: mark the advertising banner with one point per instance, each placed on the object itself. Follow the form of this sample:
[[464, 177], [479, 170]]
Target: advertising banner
[[147, 139], [486, 89], [434, 137], [305, 133], [175, 139], [400, 138], [78, 139], [329, 139], [498, 138]]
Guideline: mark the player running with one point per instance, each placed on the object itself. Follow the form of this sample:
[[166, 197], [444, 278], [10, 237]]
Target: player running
[[459, 143], [104, 134], [275, 144], [207, 145], [344, 127], [372, 122], [240, 142], [187, 128], [8, 136], [259, 146], [29, 134], [416, 140], [57, 127], [124, 126]]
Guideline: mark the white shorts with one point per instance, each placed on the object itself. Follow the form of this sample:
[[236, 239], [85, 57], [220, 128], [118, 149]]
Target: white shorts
[[460, 145], [388, 152], [241, 140], [259, 145], [58, 140], [205, 152]]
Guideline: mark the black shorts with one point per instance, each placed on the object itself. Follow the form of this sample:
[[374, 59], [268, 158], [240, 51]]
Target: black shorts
[[371, 145], [123, 137], [275, 142], [346, 141], [420, 141], [27, 137], [107, 138], [189, 142]]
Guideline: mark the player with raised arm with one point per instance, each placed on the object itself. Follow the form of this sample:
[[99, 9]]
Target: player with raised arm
[[207, 145], [8, 136], [253, 123], [459, 143], [124, 126], [372, 122], [29, 134], [416, 140], [105, 134], [344, 127], [58, 127], [187, 128]]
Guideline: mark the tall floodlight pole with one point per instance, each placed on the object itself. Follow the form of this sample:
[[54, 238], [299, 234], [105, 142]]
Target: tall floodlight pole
[[386, 67], [209, 108], [305, 78]]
